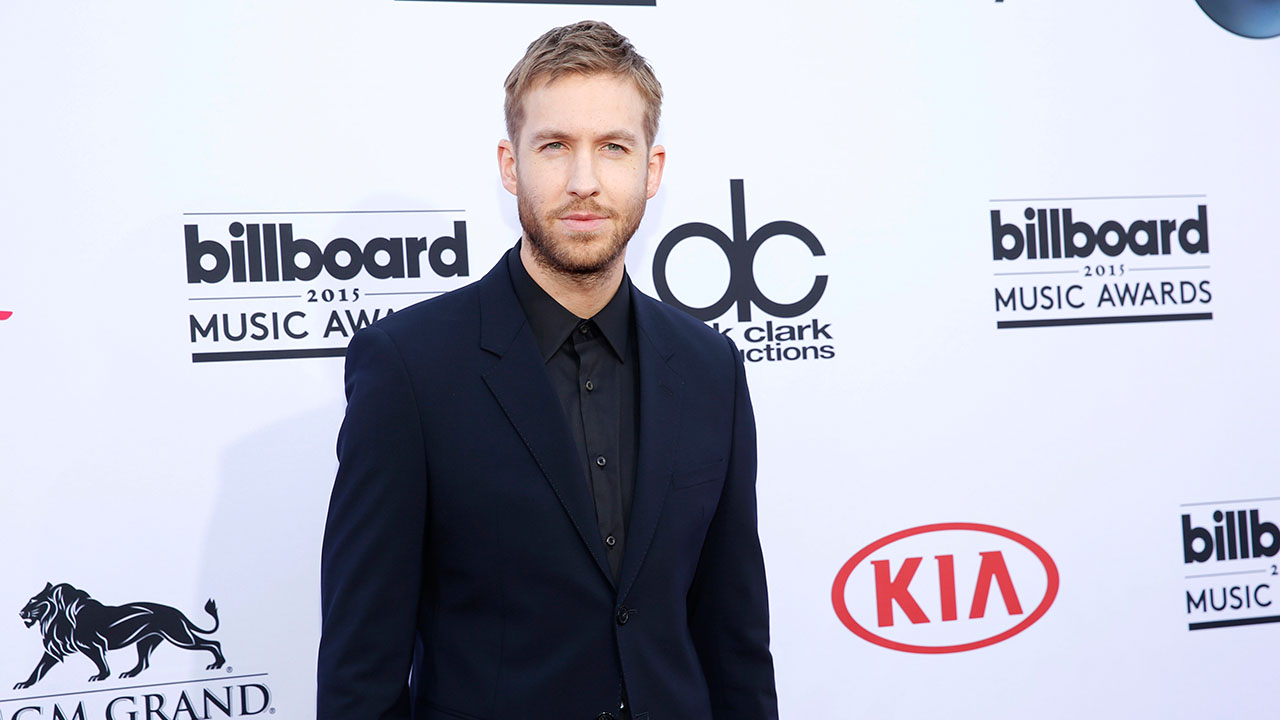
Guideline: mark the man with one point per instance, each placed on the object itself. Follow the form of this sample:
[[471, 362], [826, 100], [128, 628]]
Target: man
[[545, 504]]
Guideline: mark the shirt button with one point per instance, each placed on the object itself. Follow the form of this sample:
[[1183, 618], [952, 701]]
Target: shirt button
[[600, 461], [590, 386], [584, 328], [611, 541], [624, 615]]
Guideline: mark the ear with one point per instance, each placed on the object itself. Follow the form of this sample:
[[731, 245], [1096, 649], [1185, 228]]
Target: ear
[[657, 161], [507, 166], [48, 586]]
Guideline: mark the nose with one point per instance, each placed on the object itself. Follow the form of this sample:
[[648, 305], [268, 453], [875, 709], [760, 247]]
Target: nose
[[583, 179]]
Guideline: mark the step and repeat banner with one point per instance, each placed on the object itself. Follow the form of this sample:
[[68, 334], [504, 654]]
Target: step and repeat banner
[[1003, 274]]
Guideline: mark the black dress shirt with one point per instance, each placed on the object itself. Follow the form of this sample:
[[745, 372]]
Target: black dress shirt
[[592, 364]]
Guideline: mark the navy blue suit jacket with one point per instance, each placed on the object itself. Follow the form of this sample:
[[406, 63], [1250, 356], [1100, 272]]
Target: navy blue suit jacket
[[463, 575]]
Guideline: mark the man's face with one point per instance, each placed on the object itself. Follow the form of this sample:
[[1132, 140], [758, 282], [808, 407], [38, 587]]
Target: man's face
[[581, 170]]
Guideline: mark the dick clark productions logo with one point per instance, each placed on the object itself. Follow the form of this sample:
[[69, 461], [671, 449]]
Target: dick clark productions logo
[[930, 589], [771, 341], [740, 251]]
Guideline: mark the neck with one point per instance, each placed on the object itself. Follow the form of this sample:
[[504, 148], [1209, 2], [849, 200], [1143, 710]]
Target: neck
[[582, 295]]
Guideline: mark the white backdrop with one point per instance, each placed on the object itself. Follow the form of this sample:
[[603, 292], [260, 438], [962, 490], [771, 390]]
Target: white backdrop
[[139, 461]]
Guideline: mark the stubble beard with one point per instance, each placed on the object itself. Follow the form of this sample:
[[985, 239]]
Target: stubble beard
[[574, 255]]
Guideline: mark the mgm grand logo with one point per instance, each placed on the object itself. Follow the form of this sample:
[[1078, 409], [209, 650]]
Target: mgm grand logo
[[71, 622]]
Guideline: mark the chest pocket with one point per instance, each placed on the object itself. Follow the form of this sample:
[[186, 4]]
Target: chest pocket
[[698, 474]]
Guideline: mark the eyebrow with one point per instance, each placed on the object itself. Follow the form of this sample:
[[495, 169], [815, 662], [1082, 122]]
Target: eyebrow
[[550, 134]]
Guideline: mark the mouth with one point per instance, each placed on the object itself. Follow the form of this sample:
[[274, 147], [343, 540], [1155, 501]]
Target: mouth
[[582, 221], [29, 621]]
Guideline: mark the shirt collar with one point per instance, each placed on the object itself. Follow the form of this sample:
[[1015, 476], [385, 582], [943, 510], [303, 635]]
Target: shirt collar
[[551, 322]]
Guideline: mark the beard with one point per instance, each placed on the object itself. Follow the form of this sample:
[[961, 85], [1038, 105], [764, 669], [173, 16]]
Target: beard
[[581, 255]]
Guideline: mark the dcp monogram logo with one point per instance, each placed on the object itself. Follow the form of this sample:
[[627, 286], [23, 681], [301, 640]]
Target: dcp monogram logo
[[740, 251]]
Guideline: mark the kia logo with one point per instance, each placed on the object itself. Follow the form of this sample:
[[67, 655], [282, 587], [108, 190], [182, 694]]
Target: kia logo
[[945, 588], [740, 251]]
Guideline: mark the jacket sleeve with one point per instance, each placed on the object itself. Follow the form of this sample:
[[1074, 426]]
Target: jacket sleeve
[[729, 604], [371, 560]]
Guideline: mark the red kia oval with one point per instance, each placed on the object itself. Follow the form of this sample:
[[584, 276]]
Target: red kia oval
[[842, 578]]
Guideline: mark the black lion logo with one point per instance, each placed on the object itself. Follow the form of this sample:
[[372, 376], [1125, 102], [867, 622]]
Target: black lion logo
[[71, 622]]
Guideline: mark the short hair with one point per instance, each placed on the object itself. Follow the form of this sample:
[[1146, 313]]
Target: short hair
[[589, 47]]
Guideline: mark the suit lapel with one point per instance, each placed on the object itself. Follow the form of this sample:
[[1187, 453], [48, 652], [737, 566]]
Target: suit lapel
[[660, 397], [523, 390]]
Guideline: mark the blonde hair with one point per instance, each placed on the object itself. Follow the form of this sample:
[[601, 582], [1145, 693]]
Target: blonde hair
[[589, 47]]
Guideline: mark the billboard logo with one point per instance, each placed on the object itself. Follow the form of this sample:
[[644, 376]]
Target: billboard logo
[[941, 580], [267, 252], [1100, 260], [1060, 235], [1238, 535], [1237, 532], [260, 289]]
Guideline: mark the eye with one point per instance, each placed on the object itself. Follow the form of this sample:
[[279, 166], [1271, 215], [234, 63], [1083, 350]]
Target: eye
[[614, 148], [555, 145]]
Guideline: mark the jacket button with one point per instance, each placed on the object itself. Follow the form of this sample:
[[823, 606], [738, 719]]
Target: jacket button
[[623, 615], [605, 716]]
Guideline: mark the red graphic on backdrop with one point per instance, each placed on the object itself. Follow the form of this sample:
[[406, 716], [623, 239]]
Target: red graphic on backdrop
[[963, 622], [5, 314]]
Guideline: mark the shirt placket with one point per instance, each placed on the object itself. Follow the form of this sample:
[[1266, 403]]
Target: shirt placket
[[598, 394]]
